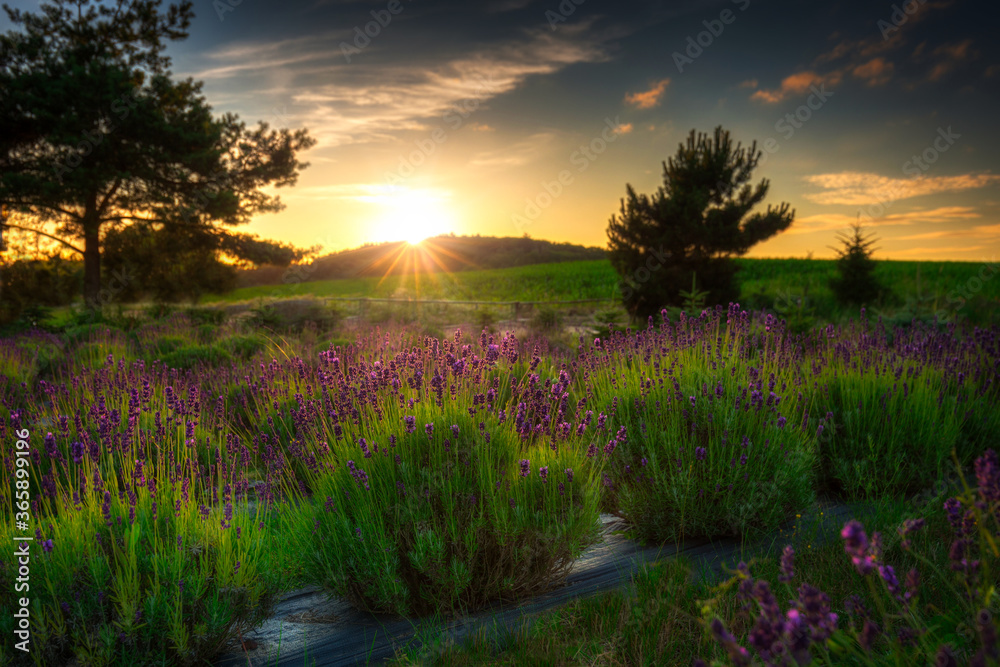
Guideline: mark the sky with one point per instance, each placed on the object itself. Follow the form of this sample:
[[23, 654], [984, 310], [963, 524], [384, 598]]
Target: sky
[[513, 117]]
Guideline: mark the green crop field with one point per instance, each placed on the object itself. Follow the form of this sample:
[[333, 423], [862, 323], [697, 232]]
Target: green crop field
[[917, 288], [536, 282]]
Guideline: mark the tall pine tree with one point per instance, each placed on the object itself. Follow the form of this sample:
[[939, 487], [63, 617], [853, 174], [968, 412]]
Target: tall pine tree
[[97, 135], [692, 227]]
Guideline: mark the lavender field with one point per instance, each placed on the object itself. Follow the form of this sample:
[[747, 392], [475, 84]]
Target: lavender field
[[171, 506]]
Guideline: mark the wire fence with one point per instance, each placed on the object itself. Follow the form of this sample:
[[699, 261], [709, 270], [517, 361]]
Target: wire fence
[[517, 309]]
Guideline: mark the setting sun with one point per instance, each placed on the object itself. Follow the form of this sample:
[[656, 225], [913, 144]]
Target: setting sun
[[412, 215]]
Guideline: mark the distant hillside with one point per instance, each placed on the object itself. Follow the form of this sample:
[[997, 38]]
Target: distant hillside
[[441, 253]]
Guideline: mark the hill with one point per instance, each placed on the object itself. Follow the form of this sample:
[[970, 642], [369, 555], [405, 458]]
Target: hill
[[448, 254]]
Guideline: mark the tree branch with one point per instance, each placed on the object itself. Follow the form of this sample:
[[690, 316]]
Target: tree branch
[[104, 203], [41, 233]]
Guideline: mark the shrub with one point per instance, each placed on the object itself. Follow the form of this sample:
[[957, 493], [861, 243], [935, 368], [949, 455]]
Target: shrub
[[704, 449], [546, 319], [906, 625], [896, 410], [448, 521], [294, 314], [214, 316], [243, 347], [696, 222], [158, 559], [855, 282]]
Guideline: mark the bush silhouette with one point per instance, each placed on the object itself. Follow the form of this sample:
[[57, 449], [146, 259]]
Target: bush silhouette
[[696, 222], [855, 282]]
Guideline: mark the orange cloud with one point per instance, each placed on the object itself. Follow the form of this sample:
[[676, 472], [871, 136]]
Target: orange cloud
[[795, 84], [950, 56], [875, 72], [823, 222], [854, 188], [648, 99]]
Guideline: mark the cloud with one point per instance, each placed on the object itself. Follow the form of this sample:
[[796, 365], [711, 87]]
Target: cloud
[[795, 84], [866, 58], [647, 99], [853, 188], [517, 154], [369, 193], [624, 128], [875, 72], [949, 57], [481, 127], [749, 83], [372, 100], [984, 232], [935, 251], [823, 222]]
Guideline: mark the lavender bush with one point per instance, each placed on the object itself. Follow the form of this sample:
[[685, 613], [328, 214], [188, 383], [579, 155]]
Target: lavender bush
[[413, 474], [897, 629]]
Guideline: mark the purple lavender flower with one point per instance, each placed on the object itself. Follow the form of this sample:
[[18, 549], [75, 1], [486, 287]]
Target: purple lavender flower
[[737, 654], [569, 474], [429, 429], [988, 476], [787, 564], [781, 422], [454, 430], [525, 467], [700, 453], [543, 472], [909, 527], [411, 423], [47, 546], [856, 545]]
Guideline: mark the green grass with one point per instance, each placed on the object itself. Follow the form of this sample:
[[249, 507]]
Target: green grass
[[536, 282], [765, 283], [661, 618]]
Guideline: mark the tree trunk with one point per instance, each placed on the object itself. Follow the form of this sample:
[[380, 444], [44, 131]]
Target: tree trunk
[[92, 265]]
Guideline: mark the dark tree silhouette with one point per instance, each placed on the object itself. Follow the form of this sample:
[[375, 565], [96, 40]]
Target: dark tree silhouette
[[693, 225], [97, 135], [201, 261], [855, 282]]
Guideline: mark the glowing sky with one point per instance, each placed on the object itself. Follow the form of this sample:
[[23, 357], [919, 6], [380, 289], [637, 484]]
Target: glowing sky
[[456, 116]]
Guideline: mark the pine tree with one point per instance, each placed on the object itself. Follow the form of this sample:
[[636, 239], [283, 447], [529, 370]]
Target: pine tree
[[855, 283], [696, 222], [97, 134]]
